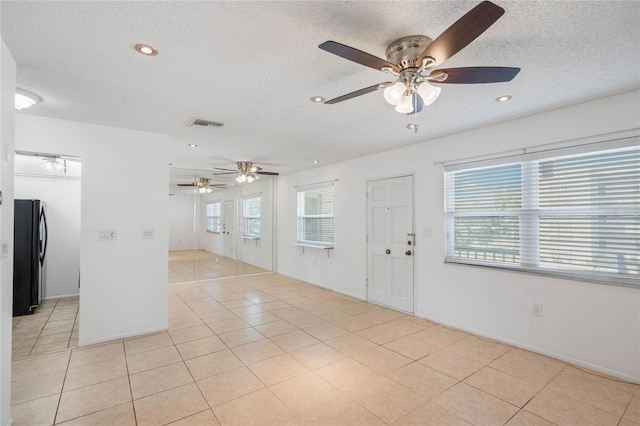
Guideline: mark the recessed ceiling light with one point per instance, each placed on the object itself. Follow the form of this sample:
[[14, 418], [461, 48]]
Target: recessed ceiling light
[[147, 50], [192, 145], [315, 161], [25, 99], [317, 99], [503, 98]]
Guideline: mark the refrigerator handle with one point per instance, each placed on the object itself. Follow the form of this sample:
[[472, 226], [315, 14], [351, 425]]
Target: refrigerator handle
[[43, 250]]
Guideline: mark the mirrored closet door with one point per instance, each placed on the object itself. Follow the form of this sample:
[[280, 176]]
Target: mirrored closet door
[[217, 227]]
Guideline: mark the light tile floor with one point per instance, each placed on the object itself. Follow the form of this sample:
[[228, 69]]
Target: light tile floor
[[53, 326], [268, 350]]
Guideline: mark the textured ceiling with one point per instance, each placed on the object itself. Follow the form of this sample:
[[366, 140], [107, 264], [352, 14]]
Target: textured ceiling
[[254, 66]]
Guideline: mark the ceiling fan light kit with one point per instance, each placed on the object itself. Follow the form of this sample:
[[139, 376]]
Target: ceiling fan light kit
[[248, 178], [202, 190], [202, 186], [428, 93], [410, 59], [248, 172]]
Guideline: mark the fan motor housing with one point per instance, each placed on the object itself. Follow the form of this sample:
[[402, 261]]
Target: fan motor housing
[[404, 52]]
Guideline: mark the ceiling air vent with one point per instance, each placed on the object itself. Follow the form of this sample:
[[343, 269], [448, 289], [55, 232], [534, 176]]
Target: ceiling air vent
[[198, 122]]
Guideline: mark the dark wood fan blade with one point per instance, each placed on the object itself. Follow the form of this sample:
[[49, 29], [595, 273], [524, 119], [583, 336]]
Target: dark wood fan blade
[[186, 184], [226, 170], [474, 75], [267, 173], [462, 32], [356, 93], [355, 55]]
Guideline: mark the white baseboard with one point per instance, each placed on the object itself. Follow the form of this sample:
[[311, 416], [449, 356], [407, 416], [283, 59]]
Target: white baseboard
[[346, 293], [567, 359], [121, 336], [64, 296]]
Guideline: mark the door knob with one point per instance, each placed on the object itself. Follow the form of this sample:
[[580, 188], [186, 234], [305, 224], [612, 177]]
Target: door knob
[[408, 252], [387, 251], [409, 242]]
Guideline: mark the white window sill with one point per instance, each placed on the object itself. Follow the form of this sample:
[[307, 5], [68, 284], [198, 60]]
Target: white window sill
[[317, 246]]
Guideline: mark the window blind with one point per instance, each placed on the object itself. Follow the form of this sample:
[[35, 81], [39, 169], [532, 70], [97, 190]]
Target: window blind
[[574, 215], [213, 216], [251, 216], [315, 215]]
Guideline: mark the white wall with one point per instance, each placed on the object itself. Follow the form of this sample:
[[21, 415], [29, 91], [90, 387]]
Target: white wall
[[123, 288], [594, 325], [181, 222], [62, 198], [7, 90]]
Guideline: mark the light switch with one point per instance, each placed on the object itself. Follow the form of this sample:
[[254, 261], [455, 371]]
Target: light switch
[[107, 234]]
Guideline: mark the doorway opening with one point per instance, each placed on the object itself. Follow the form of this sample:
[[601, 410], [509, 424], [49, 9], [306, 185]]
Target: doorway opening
[[47, 268]]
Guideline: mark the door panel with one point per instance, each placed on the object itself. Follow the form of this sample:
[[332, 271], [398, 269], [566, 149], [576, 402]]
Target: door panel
[[390, 229], [399, 278], [399, 192], [379, 268], [399, 225], [378, 194], [379, 225]]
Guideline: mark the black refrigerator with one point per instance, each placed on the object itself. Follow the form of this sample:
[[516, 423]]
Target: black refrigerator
[[30, 247]]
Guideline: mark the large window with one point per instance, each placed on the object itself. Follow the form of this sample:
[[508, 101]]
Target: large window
[[251, 216], [213, 217], [315, 215], [576, 215]]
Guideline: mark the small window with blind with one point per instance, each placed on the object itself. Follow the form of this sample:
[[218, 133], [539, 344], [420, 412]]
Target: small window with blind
[[572, 216], [213, 217], [315, 215], [251, 216]]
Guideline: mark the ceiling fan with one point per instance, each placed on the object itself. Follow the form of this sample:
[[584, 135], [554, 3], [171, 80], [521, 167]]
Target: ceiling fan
[[203, 185], [247, 172], [409, 58]]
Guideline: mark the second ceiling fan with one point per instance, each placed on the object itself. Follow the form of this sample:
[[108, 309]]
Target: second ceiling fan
[[203, 185], [247, 172], [410, 57]]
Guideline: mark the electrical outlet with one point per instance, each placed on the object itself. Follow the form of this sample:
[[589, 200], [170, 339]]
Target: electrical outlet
[[537, 309], [148, 233]]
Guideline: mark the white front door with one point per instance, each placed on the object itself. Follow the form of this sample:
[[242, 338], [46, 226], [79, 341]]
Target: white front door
[[390, 245], [228, 229]]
